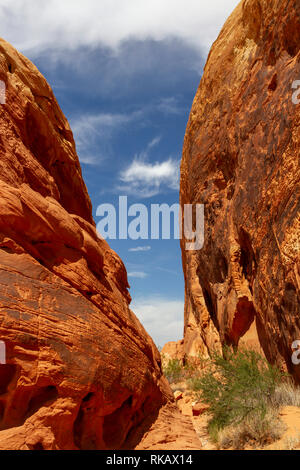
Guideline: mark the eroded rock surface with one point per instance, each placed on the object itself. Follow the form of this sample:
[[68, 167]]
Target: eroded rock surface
[[81, 371], [170, 431], [241, 159]]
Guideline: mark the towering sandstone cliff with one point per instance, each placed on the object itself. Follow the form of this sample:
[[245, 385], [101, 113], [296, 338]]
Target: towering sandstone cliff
[[241, 159], [80, 372]]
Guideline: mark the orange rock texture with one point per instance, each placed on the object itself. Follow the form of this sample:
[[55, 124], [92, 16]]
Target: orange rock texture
[[81, 371], [173, 350], [241, 159], [170, 431]]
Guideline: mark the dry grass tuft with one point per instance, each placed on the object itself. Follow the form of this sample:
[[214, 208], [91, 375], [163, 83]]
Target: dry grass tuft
[[291, 443], [286, 394], [253, 431]]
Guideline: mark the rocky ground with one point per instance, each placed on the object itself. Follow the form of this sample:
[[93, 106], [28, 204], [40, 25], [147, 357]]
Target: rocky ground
[[189, 405]]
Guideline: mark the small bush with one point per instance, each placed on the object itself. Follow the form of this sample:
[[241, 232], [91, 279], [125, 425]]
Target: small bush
[[173, 370], [238, 389], [177, 371]]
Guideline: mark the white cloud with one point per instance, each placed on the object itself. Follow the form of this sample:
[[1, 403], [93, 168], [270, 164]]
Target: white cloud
[[147, 172], [138, 274], [38, 25], [145, 179], [161, 317], [140, 248]]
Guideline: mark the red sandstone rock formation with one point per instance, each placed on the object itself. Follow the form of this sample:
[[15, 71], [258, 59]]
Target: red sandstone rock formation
[[173, 350], [81, 371], [241, 159]]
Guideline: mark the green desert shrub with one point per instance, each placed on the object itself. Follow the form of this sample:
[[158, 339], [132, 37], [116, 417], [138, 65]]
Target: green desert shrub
[[177, 371], [238, 390]]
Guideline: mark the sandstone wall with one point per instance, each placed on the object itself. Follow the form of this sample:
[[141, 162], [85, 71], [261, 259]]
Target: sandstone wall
[[81, 371], [241, 159]]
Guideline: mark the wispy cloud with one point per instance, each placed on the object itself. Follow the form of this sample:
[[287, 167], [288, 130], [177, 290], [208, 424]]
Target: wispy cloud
[[140, 248], [169, 105], [155, 141], [138, 274], [93, 132], [162, 317], [165, 270]]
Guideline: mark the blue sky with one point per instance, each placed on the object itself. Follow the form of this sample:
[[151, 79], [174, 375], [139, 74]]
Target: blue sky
[[125, 73]]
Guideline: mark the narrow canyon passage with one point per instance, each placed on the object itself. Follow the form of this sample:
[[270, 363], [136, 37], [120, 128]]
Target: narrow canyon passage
[[80, 371]]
